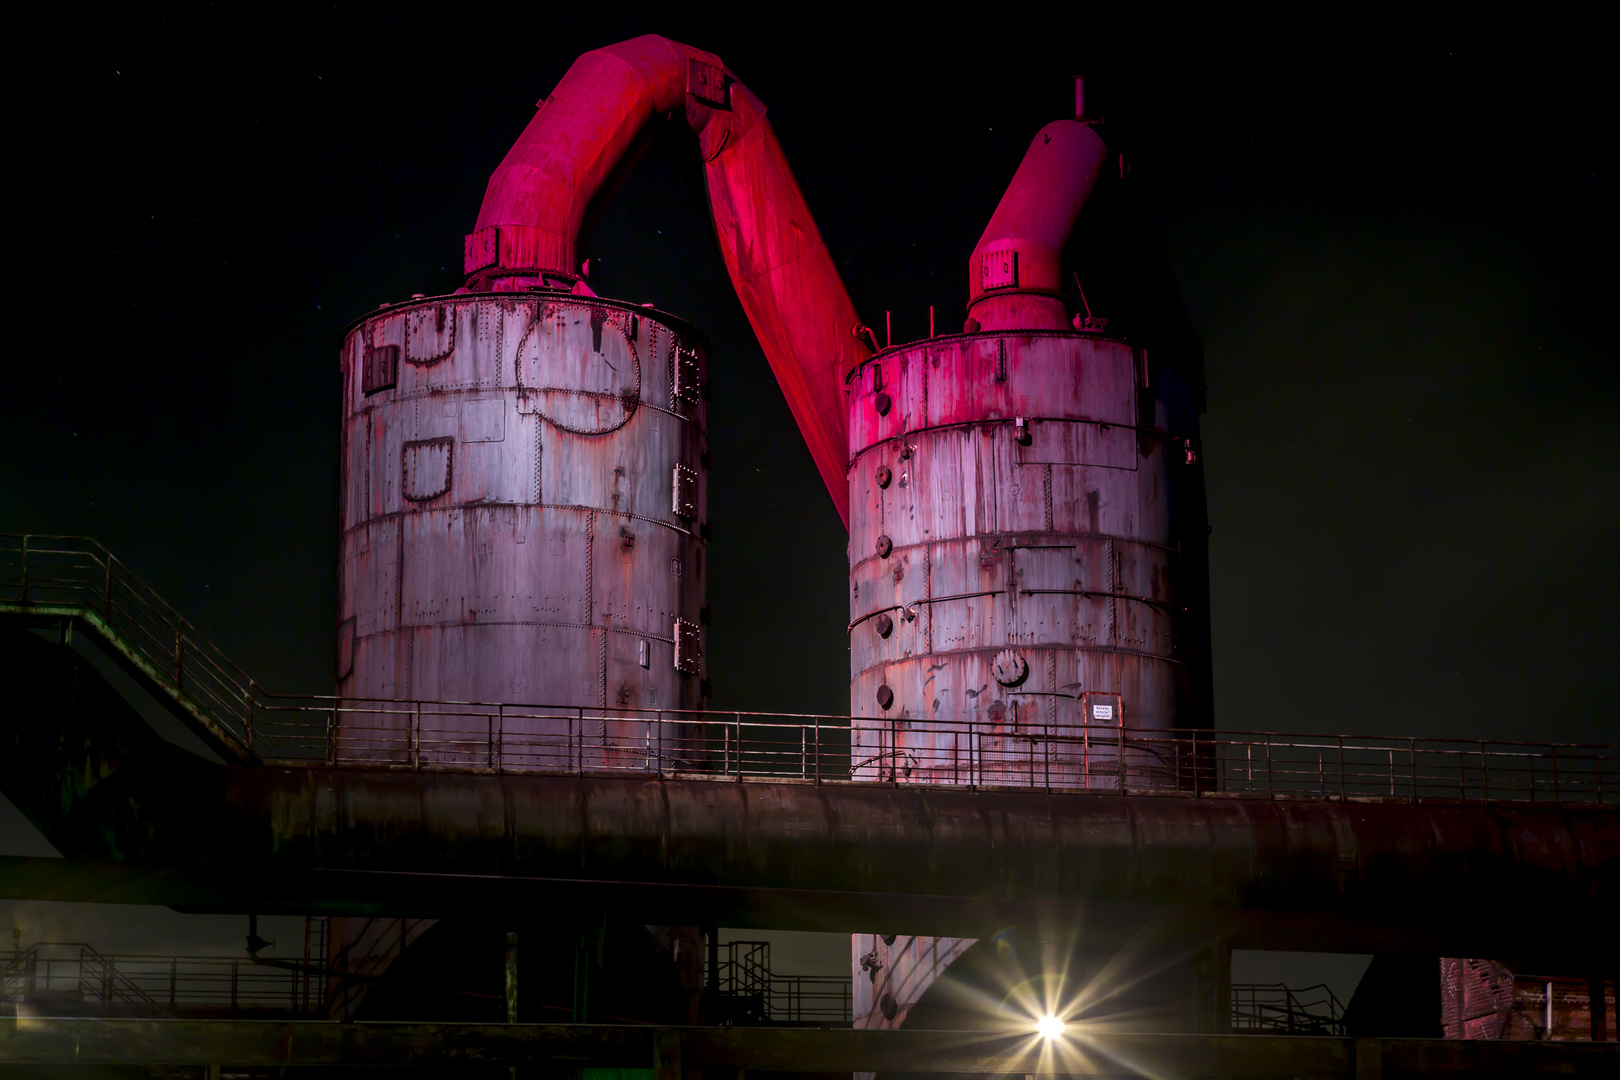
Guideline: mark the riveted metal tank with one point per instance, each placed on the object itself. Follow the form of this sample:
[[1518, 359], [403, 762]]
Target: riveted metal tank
[[522, 499], [1012, 568]]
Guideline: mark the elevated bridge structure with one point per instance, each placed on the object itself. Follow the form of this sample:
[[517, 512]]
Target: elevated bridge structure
[[1260, 840]]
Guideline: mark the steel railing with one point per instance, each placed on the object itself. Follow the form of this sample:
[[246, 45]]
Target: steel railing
[[71, 575], [503, 737], [750, 992], [1275, 1007], [151, 985]]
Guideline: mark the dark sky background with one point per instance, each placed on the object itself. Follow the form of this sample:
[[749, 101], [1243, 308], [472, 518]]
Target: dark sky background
[[1395, 240]]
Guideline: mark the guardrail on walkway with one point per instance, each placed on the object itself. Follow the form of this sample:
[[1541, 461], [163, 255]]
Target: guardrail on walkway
[[158, 986], [1276, 1007], [76, 577], [784, 747]]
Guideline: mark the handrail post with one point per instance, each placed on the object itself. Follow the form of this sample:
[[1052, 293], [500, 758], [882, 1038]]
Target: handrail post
[[1195, 761], [1555, 772], [1122, 755], [973, 768], [413, 741], [1484, 772], [1049, 761], [1271, 792], [817, 749], [25, 540], [1341, 769], [331, 737], [739, 749], [579, 758], [491, 719], [1412, 754], [894, 751]]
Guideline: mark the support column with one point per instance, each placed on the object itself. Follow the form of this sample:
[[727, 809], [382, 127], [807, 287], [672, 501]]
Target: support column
[[511, 977]]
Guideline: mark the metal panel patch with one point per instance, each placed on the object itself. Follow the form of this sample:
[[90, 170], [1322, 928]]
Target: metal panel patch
[[688, 655], [708, 83], [685, 485], [481, 248], [687, 379], [998, 270], [380, 368], [426, 468]]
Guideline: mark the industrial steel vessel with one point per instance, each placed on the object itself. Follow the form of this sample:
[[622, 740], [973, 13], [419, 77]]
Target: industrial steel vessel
[[524, 472], [1024, 503], [522, 499]]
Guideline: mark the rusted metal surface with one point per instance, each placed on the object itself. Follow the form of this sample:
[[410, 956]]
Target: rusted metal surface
[[521, 512], [592, 126], [1027, 514], [53, 1041], [1487, 999], [893, 971]]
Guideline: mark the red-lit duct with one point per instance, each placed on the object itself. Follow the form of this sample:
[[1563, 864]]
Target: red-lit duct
[[1014, 276], [587, 134]]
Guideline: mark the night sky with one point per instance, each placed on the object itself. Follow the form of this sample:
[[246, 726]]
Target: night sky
[[1395, 241]]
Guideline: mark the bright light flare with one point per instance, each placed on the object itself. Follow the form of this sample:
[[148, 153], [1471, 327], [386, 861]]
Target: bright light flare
[[1049, 1027]]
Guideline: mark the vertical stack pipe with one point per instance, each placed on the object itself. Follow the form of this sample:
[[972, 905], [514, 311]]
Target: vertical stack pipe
[[1014, 551]]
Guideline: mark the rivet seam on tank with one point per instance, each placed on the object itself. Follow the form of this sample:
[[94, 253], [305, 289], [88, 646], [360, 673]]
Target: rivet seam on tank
[[884, 546], [544, 401], [416, 322], [684, 483], [686, 387], [688, 658]]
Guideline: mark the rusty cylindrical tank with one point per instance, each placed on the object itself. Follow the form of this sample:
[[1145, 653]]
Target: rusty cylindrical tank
[[1020, 506], [522, 499], [1011, 561]]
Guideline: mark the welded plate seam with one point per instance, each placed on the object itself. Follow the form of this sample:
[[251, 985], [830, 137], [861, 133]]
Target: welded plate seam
[[422, 512], [1045, 646], [409, 627]]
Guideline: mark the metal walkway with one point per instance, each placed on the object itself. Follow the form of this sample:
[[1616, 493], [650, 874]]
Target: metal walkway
[[74, 582]]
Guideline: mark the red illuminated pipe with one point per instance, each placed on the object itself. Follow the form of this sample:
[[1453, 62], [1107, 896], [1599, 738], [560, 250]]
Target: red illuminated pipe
[[580, 145], [1014, 278]]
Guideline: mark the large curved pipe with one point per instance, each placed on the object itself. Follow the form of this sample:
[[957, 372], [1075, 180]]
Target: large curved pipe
[[585, 137], [1015, 279]]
